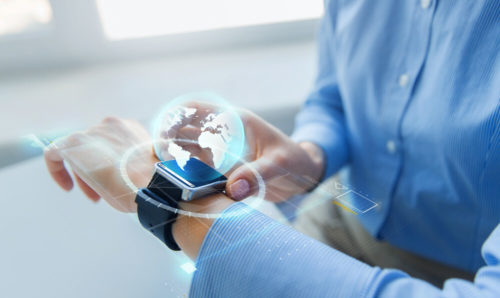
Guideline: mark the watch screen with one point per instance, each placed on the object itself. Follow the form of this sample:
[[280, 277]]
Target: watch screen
[[195, 172]]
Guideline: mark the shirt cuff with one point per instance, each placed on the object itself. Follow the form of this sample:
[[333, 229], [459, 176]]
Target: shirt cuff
[[247, 254]]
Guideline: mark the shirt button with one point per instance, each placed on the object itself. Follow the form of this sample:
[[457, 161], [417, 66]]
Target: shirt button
[[425, 3], [391, 146], [403, 80]]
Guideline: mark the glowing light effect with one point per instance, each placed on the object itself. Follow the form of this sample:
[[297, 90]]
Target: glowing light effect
[[355, 202], [188, 267], [211, 121], [181, 156], [37, 142]]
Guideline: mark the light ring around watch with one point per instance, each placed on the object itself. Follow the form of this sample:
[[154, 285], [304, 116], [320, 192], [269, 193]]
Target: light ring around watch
[[253, 201]]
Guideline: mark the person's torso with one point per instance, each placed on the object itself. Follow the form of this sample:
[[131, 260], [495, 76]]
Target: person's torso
[[420, 85]]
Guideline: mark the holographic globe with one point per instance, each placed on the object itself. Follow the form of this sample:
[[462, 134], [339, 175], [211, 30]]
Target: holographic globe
[[208, 120]]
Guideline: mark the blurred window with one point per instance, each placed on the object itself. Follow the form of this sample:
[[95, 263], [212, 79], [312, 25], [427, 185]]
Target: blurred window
[[127, 19], [20, 16], [66, 32]]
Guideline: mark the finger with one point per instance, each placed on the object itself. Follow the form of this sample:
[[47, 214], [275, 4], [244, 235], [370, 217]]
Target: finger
[[172, 129], [171, 122], [55, 165], [186, 138], [203, 109], [87, 190], [189, 132], [243, 182]]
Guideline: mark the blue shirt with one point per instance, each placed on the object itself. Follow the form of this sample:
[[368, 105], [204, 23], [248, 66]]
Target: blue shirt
[[408, 96], [252, 255]]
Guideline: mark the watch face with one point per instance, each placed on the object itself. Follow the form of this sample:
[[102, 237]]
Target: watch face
[[195, 173]]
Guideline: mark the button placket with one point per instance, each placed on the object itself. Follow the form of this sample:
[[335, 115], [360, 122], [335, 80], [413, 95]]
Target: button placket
[[425, 3], [403, 80], [391, 146]]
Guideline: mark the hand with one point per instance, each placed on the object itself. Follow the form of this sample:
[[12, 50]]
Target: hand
[[286, 167], [94, 156]]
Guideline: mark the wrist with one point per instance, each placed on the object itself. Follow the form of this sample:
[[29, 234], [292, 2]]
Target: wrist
[[140, 173], [316, 160], [190, 231]]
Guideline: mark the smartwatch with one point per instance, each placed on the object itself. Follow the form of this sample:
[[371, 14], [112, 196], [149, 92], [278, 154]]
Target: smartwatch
[[157, 204]]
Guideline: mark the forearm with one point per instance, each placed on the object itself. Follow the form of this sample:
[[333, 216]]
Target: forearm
[[252, 255]]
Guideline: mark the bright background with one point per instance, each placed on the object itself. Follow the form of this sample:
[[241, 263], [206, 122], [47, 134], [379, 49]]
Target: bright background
[[64, 65]]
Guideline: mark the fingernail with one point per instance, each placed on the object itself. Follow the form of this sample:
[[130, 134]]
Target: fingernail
[[239, 189]]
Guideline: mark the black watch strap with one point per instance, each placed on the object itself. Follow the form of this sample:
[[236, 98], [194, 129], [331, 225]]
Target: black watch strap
[[151, 209]]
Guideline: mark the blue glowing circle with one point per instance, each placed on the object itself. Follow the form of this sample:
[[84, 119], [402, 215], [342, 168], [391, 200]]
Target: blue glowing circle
[[216, 120]]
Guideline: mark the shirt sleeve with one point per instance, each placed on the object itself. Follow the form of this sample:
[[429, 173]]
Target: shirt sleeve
[[321, 119], [247, 254], [394, 283], [251, 255]]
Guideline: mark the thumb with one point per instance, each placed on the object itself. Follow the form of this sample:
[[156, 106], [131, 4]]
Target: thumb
[[243, 182]]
